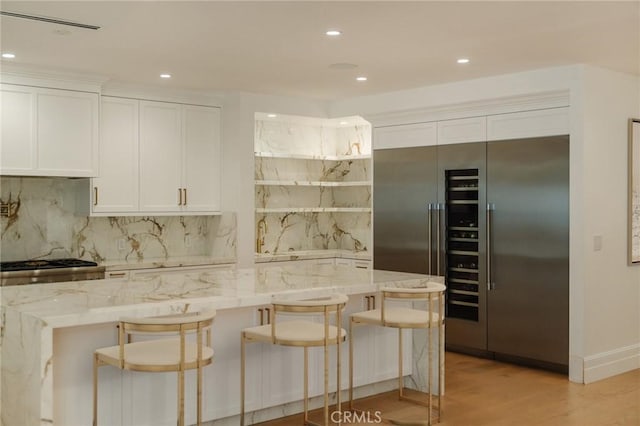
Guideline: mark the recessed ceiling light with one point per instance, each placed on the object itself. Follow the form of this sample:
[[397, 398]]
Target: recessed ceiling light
[[361, 78], [8, 55], [463, 61], [272, 115], [333, 33], [344, 123], [165, 75]]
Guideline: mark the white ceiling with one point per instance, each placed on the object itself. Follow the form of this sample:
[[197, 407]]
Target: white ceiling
[[280, 47]]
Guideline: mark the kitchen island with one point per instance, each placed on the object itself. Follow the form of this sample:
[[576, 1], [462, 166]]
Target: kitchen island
[[50, 330]]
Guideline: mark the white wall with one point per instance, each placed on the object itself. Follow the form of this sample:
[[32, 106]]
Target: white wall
[[237, 152], [604, 292], [611, 288]]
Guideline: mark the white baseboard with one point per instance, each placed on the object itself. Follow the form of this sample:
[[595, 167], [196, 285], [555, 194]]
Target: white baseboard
[[611, 363]]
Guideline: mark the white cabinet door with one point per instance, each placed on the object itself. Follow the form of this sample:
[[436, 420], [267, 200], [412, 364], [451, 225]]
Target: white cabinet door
[[408, 135], [49, 132], [462, 130], [160, 157], [67, 132], [528, 124], [201, 176], [116, 190], [17, 147]]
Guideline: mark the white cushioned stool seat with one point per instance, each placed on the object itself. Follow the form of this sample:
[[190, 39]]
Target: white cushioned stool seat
[[155, 354], [397, 317], [307, 333]]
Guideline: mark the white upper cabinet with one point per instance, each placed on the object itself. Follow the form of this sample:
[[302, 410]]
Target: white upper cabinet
[[18, 137], [201, 167], [116, 190], [157, 158], [462, 130], [405, 136], [160, 157], [516, 125], [528, 124], [49, 132]]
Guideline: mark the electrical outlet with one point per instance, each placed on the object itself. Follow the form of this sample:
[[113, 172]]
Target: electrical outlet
[[597, 242], [187, 240], [121, 244]]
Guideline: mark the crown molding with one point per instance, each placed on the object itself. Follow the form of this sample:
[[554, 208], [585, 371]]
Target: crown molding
[[484, 107], [30, 75], [163, 94]]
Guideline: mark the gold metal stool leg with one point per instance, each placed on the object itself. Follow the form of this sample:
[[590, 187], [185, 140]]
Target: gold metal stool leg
[[242, 373], [95, 389], [306, 385]]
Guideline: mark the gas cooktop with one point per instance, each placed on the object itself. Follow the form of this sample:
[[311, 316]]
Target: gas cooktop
[[30, 265], [47, 271]]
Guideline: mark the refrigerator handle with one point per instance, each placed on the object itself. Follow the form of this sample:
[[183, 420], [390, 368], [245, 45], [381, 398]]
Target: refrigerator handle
[[490, 283], [439, 207], [429, 225]]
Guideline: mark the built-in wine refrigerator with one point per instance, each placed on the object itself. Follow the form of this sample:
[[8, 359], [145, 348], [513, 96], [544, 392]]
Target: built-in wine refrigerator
[[492, 218]]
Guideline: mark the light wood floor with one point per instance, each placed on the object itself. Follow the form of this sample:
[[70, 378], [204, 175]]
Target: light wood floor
[[482, 392]]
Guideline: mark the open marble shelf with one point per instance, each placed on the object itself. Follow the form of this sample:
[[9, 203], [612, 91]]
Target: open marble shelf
[[313, 184]]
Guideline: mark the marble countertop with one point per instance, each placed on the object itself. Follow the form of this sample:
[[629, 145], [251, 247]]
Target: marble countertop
[[89, 302], [311, 254], [119, 265]]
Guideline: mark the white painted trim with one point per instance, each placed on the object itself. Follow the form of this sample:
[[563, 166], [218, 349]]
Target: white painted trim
[[503, 105], [611, 363], [39, 77], [162, 94]]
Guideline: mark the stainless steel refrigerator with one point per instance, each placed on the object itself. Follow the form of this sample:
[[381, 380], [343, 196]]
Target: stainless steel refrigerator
[[493, 219]]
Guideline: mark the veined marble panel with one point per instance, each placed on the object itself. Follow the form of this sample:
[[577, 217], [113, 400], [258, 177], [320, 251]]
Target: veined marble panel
[[354, 140], [267, 168], [294, 135], [42, 224], [273, 196], [314, 231]]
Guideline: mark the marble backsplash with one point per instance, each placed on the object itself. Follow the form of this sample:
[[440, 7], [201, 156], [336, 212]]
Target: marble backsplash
[[314, 231], [43, 223]]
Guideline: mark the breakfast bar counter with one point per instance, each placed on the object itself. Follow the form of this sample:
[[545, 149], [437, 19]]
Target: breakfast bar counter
[[39, 321]]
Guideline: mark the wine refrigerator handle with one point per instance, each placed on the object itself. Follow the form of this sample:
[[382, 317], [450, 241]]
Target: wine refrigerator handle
[[490, 208]]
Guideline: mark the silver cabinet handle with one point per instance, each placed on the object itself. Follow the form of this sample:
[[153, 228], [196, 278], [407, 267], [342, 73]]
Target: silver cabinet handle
[[429, 214], [185, 197], [179, 196], [95, 195], [490, 284]]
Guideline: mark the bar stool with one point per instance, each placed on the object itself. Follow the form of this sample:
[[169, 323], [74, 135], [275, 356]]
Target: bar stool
[[161, 354], [404, 317], [302, 333]]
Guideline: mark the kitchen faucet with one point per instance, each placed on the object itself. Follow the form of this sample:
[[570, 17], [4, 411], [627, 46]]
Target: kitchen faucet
[[261, 231]]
